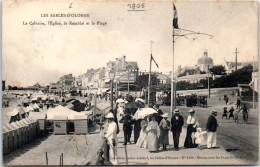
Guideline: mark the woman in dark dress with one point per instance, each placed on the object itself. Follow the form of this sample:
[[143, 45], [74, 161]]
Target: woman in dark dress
[[191, 129]]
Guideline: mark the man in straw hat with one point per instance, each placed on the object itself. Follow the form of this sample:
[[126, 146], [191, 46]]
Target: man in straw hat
[[111, 136], [177, 123], [212, 125]]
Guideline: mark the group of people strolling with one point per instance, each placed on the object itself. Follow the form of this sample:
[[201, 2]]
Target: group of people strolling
[[154, 131], [154, 134]]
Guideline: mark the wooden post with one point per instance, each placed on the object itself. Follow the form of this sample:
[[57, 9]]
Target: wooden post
[[126, 157], [61, 159], [46, 158]]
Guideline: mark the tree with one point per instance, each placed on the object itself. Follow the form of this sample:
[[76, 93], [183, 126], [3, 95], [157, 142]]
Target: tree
[[142, 80], [242, 76], [218, 70]]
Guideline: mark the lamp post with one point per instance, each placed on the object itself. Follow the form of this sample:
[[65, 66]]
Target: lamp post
[[208, 82], [111, 76]]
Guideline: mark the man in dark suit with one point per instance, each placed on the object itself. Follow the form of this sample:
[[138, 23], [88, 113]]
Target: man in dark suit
[[212, 125], [127, 126], [177, 123]]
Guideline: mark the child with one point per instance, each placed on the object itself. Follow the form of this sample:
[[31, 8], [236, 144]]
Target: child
[[164, 131], [199, 138], [224, 113]]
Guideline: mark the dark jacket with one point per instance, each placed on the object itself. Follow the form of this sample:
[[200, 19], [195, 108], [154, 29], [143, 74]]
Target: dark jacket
[[177, 123], [159, 116], [128, 122], [212, 124]]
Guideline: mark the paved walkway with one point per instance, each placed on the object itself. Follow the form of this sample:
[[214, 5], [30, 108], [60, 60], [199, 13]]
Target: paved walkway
[[192, 156]]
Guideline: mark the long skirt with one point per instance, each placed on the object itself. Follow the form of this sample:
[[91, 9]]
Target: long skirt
[[164, 136], [189, 143], [152, 140], [137, 129], [142, 140]]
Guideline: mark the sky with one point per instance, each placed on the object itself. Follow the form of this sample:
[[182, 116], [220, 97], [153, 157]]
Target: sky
[[33, 53]]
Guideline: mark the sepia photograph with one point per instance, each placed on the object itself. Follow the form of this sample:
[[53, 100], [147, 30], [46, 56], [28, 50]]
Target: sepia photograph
[[135, 83]]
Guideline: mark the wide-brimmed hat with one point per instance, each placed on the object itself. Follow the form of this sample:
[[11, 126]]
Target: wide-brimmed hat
[[191, 110], [165, 115], [110, 115], [176, 110]]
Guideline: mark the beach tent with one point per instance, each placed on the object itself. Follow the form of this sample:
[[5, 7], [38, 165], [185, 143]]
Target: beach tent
[[36, 107], [60, 124], [14, 115], [15, 134], [9, 142], [20, 133], [21, 111], [34, 99], [28, 110], [30, 128], [80, 124], [44, 97], [38, 94], [59, 111], [25, 130], [35, 126], [5, 137], [41, 119]]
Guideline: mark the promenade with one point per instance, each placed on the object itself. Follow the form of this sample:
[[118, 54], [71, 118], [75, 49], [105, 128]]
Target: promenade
[[191, 156]]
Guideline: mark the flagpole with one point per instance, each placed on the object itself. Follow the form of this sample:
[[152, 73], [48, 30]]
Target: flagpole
[[172, 75], [149, 80]]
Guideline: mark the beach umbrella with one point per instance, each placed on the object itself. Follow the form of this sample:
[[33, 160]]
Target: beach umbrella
[[120, 100], [143, 112]]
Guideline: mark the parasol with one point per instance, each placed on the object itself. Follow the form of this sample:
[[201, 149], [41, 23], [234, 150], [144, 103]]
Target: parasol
[[143, 112], [120, 100]]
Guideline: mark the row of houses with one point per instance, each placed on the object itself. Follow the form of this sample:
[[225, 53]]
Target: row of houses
[[98, 80]]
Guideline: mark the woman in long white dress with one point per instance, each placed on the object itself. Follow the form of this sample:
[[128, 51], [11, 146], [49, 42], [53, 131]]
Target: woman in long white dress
[[153, 135], [142, 140]]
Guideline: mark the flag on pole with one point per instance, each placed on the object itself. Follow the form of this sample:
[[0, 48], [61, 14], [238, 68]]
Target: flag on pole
[[175, 17], [154, 61]]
